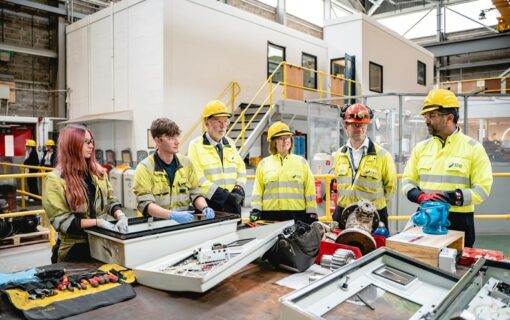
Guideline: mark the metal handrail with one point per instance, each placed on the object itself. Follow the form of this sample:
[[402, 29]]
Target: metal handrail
[[502, 79], [234, 89], [272, 87]]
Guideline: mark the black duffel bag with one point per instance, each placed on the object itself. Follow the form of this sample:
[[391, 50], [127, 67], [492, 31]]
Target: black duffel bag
[[296, 248]]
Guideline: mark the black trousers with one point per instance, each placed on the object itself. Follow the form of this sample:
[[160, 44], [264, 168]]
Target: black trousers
[[463, 221], [80, 252], [285, 215], [383, 215]]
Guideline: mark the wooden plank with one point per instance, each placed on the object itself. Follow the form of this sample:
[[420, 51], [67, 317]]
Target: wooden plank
[[294, 76], [41, 235], [423, 246]]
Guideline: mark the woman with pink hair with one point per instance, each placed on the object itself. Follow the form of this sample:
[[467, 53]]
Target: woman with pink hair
[[77, 193]]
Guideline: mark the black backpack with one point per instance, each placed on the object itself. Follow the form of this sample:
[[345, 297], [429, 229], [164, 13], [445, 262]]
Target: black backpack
[[296, 248]]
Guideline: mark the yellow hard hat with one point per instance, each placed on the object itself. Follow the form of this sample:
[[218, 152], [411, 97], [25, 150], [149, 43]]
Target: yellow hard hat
[[30, 143], [50, 143], [278, 129], [439, 98], [215, 108]]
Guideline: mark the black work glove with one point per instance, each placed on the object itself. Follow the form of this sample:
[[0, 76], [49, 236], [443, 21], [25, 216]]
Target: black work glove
[[455, 198], [233, 203], [254, 215], [239, 191]]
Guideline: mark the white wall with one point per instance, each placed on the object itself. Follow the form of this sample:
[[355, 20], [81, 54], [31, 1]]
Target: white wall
[[170, 58], [368, 40]]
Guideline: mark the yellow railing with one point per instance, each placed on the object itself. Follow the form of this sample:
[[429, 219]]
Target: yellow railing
[[271, 87], [234, 90], [23, 192], [483, 85], [327, 217]]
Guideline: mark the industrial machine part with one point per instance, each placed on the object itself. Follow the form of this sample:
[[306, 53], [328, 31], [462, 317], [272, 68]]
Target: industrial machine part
[[359, 220], [186, 270], [384, 284], [216, 253], [433, 217], [155, 238], [25, 224], [482, 293], [6, 229], [447, 259], [340, 258]]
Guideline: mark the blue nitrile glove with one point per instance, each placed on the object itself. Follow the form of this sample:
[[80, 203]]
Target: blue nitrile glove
[[122, 223], [209, 212], [21, 277], [102, 223], [181, 216]]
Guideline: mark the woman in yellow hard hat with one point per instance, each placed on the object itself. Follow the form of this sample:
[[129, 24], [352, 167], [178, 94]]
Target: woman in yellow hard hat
[[31, 159], [284, 188], [49, 158]]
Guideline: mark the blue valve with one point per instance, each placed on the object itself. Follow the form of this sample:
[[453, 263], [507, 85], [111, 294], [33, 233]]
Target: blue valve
[[433, 217]]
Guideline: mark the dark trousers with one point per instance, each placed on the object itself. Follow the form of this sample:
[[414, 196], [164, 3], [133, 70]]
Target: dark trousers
[[463, 221], [80, 252], [383, 215], [288, 215]]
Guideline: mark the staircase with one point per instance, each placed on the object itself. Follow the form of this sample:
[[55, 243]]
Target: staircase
[[259, 121]]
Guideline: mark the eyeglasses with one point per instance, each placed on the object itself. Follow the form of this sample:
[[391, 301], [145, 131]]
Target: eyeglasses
[[431, 116], [357, 125], [218, 122], [172, 138], [88, 141]]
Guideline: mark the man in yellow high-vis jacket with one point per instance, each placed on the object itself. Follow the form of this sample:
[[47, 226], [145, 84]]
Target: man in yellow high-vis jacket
[[450, 166], [216, 158], [363, 169]]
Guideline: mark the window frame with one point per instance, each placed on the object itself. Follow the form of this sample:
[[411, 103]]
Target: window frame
[[269, 43], [424, 65], [331, 63], [370, 86], [303, 55]]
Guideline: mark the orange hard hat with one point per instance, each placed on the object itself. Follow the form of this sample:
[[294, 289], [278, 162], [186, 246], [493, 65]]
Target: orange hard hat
[[356, 113]]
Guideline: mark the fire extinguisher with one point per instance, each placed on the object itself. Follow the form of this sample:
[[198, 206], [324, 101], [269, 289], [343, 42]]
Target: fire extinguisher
[[333, 196], [318, 191]]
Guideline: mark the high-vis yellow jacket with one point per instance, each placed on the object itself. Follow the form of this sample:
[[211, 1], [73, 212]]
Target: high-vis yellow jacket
[[457, 163], [225, 173], [375, 180], [152, 185], [284, 184], [61, 217]]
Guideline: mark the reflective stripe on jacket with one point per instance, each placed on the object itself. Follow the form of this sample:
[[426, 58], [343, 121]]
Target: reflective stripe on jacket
[[225, 174], [284, 184], [375, 179], [459, 163], [59, 213], [151, 184]]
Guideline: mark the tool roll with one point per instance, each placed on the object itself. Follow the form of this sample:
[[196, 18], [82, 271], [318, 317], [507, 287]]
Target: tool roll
[[56, 294]]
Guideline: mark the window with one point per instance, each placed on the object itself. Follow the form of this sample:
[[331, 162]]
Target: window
[[275, 55], [309, 77], [422, 73], [338, 67], [375, 75]]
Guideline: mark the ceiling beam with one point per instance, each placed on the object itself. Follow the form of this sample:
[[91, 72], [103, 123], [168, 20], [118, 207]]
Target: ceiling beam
[[450, 48]]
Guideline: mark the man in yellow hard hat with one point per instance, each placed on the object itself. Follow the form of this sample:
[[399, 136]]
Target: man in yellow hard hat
[[450, 166], [49, 158], [217, 159]]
